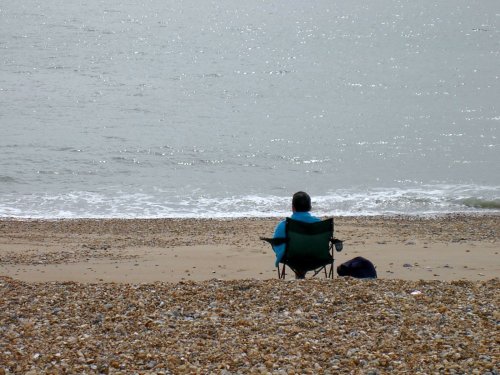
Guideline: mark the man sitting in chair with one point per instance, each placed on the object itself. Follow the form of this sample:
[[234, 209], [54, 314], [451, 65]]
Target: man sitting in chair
[[301, 205]]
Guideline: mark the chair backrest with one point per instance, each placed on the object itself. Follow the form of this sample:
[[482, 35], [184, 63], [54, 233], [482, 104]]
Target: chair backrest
[[308, 244]]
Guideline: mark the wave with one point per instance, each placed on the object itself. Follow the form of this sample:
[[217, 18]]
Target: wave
[[482, 203], [429, 200], [7, 179]]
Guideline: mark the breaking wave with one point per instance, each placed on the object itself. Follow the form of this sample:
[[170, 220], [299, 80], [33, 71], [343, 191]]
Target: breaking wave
[[429, 200]]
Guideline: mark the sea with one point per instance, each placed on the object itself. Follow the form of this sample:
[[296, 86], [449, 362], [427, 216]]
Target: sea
[[224, 109]]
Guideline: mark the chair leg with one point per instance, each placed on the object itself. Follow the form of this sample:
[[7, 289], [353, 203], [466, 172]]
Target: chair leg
[[282, 274]]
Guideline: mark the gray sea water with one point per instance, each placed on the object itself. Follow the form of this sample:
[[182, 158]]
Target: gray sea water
[[161, 108]]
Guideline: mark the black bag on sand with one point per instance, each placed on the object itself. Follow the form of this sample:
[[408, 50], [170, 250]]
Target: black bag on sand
[[359, 268]]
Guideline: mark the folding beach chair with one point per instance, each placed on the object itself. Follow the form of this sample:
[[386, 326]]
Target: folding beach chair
[[308, 247]]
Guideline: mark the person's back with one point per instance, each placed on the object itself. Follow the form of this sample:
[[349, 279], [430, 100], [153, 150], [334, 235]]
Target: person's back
[[301, 205]]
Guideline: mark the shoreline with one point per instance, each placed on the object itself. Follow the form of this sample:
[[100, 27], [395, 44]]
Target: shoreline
[[407, 216], [450, 247]]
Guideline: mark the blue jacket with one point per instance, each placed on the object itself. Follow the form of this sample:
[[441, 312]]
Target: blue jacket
[[280, 232]]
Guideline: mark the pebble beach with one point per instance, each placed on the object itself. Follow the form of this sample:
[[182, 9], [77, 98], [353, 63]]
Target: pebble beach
[[251, 327], [225, 324]]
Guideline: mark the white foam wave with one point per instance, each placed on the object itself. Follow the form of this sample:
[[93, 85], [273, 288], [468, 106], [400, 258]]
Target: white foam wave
[[424, 200]]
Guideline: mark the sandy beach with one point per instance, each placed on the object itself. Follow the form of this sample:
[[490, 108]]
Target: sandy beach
[[443, 248], [202, 297]]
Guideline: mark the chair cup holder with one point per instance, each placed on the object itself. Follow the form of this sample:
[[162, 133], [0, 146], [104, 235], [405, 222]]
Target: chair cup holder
[[339, 245]]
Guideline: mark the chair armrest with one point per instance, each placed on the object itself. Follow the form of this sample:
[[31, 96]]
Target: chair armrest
[[274, 241]]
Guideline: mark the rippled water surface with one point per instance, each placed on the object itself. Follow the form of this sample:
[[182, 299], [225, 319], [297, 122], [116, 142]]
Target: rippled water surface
[[189, 108]]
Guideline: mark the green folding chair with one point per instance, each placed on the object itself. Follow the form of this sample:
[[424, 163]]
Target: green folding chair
[[308, 247]]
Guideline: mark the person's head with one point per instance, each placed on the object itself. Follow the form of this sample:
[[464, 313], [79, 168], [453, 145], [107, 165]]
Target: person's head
[[301, 202]]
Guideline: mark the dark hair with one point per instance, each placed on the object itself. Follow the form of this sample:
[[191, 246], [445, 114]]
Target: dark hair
[[301, 202]]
